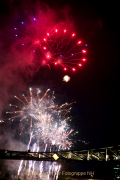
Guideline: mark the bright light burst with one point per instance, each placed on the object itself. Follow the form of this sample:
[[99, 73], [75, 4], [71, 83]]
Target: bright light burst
[[66, 78], [1, 121], [49, 129], [47, 120], [56, 45]]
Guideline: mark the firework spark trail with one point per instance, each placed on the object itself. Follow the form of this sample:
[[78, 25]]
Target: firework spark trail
[[47, 123], [29, 141], [31, 163], [20, 167], [41, 165]]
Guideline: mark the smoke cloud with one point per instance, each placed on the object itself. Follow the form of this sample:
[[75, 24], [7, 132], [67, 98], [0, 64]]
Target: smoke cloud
[[22, 25]]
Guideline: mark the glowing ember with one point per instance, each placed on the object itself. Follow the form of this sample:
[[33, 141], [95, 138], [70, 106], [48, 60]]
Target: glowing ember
[[66, 78]]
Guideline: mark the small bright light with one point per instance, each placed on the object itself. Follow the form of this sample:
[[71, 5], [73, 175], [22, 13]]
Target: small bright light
[[53, 142], [84, 59], [48, 56], [80, 65], [48, 34], [44, 39], [22, 44], [64, 30], [73, 34], [16, 35], [15, 28], [22, 22], [60, 55], [55, 156], [56, 30], [73, 69], [55, 63], [34, 19], [79, 42], [65, 69], [30, 88], [66, 78], [71, 54], [1, 121], [83, 51], [38, 90], [86, 45], [44, 47]]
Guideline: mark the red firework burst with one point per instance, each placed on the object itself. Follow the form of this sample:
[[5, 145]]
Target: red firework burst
[[52, 46]]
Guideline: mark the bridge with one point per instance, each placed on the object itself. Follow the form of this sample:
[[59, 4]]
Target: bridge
[[106, 155]]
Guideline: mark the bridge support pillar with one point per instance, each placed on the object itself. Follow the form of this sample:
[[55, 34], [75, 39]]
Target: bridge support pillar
[[106, 153], [88, 155]]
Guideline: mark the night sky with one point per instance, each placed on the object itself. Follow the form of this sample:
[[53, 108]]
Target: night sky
[[94, 87]]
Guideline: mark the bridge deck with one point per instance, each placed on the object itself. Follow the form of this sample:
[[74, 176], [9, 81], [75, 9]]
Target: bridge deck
[[105, 154]]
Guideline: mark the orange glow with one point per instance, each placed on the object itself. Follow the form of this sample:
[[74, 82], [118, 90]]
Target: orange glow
[[66, 78]]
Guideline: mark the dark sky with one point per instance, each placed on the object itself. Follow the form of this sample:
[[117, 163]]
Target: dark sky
[[95, 87]]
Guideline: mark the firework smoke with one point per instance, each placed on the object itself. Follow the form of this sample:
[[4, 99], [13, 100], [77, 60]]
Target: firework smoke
[[17, 69]]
